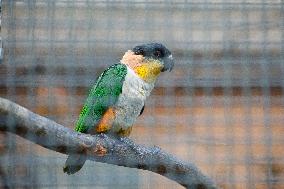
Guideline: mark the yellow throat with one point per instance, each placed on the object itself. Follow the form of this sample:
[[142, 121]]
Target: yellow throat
[[149, 70]]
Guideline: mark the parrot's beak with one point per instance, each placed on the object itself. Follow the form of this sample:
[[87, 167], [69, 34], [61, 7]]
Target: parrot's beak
[[168, 63]]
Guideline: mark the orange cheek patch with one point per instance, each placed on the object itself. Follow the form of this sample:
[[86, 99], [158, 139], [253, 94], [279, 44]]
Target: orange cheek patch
[[132, 60], [106, 122]]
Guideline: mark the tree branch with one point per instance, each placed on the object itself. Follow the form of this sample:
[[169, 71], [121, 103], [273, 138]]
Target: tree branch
[[123, 152]]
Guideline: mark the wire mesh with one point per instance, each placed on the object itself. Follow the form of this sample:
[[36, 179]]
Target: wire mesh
[[221, 108]]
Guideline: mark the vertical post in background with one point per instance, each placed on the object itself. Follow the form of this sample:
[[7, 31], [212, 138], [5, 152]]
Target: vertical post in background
[[228, 99], [246, 95], [10, 144], [266, 85], [30, 159], [1, 44]]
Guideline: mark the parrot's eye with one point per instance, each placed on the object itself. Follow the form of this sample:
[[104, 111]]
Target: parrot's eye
[[158, 53], [139, 51]]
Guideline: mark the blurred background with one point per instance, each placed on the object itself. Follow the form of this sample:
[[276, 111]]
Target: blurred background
[[222, 107]]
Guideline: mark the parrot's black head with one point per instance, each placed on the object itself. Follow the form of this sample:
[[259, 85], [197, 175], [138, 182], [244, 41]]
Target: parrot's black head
[[156, 51]]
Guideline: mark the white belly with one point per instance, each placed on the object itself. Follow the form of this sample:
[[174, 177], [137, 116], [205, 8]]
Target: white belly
[[131, 101]]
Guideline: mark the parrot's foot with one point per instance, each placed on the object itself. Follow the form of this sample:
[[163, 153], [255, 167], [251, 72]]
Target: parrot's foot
[[100, 150], [103, 135]]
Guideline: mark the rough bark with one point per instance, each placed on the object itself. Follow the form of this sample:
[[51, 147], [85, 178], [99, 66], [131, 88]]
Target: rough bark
[[101, 148]]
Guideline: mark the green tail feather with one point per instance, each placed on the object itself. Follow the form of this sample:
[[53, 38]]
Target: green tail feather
[[74, 163]]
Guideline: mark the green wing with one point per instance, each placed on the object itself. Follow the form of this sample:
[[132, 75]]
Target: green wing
[[102, 95]]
